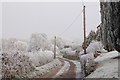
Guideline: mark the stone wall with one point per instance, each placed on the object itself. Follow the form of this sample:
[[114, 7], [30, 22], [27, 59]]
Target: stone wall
[[110, 26]]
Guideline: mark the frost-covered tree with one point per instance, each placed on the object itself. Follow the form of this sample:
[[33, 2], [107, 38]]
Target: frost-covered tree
[[8, 44], [14, 60], [21, 46], [14, 45], [38, 42], [60, 42]]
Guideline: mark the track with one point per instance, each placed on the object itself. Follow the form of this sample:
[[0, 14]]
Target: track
[[66, 70]]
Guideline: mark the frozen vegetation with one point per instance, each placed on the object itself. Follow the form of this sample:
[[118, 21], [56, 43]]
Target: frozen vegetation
[[15, 64], [65, 68], [108, 66], [14, 61], [19, 57], [71, 51], [44, 69], [93, 50], [98, 62], [78, 67], [40, 58], [39, 42], [60, 42]]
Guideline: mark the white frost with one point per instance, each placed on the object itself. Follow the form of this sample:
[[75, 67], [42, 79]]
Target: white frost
[[108, 67], [107, 56], [65, 68], [78, 68], [44, 69], [40, 58]]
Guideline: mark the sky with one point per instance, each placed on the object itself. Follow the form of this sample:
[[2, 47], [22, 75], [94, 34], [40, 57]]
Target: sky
[[0, 20], [21, 19]]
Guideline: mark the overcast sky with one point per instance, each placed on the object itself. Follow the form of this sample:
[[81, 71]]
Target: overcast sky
[[21, 19]]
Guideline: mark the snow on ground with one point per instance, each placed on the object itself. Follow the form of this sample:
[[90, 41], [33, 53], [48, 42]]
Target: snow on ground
[[44, 69], [78, 68], [65, 68], [107, 56], [108, 67], [0, 77], [94, 46]]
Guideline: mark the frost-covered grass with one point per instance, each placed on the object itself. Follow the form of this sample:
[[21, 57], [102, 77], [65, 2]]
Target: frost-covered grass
[[44, 69], [108, 67], [65, 68], [78, 68], [107, 56]]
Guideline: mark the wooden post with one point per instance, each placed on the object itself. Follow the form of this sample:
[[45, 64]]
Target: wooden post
[[84, 30], [84, 19], [55, 48]]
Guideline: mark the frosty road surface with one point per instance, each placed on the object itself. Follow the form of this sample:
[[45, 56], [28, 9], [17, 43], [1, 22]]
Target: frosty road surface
[[68, 69], [65, 68]]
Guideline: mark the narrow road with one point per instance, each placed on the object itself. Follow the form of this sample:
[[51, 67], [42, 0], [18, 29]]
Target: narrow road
[[53, 71], [66, 70], [71, 73]]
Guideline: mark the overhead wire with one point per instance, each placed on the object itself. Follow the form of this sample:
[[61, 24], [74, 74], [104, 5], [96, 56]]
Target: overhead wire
[[73, 20], [71, 23]]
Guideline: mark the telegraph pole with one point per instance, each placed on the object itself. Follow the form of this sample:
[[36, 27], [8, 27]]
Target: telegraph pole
[[55, 47], [84, 17]]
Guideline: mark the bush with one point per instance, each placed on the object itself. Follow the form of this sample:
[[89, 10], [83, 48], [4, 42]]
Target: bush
[[15, 64], [40, 58]]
